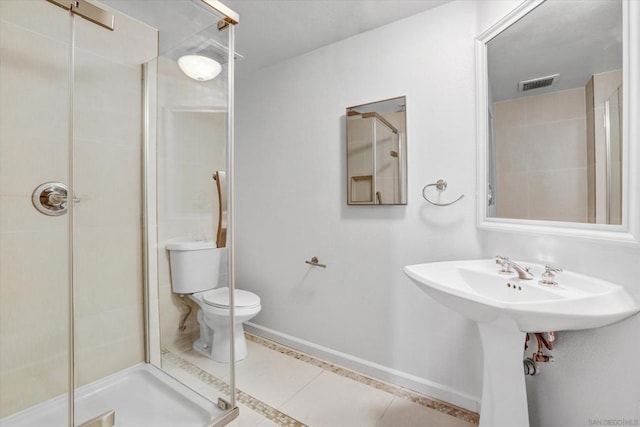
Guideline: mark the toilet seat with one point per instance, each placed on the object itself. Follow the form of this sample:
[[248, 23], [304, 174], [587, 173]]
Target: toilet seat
[[219, 298]]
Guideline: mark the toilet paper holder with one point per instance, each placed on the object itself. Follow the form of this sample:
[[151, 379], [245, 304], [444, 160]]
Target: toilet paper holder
[[315, 263]]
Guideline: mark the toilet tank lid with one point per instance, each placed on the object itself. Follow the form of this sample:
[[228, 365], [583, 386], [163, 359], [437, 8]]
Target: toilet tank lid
[[191, 245]]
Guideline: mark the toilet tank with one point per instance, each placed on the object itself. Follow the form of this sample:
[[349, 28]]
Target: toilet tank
[[196, 266]]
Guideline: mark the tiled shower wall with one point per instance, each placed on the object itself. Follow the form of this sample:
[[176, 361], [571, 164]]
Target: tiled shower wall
[[550, 152], [34, 148], [541, 153]]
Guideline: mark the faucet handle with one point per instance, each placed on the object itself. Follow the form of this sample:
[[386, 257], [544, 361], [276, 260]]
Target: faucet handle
[[504, 263], [549, 275], [502, 260], [552, 269]]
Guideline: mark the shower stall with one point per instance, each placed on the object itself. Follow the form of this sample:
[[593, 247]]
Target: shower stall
[[107, 151]]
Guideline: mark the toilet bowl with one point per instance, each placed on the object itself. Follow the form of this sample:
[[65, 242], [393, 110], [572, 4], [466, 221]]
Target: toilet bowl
[[198, 269], [214, 319]]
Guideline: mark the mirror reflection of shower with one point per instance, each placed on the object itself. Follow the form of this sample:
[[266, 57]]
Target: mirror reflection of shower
[[613, 150], [549, 156], [376, 153]]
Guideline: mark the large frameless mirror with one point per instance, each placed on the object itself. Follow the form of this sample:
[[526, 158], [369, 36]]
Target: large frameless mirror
[[376, 153], [554, 142]]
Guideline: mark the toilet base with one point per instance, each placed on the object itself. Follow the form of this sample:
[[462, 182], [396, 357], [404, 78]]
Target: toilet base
[[216, 345], [202, 348]]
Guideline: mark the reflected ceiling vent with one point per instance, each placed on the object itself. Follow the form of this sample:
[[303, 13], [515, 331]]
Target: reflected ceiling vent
[[537, 83]]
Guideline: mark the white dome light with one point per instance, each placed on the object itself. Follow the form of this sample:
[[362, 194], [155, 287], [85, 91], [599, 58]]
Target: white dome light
[[199, 67]]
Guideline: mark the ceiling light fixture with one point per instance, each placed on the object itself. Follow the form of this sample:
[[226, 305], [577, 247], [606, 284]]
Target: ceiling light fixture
[[199, 67]]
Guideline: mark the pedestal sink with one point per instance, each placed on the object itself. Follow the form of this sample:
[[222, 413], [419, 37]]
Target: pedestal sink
[[505, 308]]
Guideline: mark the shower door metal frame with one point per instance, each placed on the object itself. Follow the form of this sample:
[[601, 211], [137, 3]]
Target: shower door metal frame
[[88, 11], [231, 205]]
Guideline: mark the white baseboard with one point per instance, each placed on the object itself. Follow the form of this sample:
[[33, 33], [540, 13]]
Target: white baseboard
[[384, 373]]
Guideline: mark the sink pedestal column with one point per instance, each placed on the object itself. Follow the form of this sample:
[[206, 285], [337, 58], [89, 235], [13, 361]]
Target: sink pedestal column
[[504, 395]]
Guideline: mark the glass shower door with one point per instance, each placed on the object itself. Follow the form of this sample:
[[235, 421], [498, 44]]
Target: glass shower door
[[193, 137], [387, 163], [613, 158], [107, 179]]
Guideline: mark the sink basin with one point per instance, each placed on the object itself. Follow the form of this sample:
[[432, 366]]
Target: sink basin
[[505, 307], [478, 291]]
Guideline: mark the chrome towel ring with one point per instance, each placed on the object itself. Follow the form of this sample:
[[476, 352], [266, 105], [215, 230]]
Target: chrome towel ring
[[440, 185]]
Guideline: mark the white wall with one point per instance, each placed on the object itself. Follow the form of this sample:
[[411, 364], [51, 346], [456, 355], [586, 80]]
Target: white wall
[[291, 205], [291, 198]]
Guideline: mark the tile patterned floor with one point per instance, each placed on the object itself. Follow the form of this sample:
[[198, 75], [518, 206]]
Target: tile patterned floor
[[276, 385]]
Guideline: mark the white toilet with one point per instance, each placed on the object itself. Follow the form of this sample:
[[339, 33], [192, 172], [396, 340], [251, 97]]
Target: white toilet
[[198, 269]]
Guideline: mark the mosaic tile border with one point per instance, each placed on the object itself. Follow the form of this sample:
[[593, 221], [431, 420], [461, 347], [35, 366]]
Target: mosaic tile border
[[412, 396], [249, 401]]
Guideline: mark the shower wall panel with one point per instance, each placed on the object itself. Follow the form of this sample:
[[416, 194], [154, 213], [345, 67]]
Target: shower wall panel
[[34, 142], [540, 141]]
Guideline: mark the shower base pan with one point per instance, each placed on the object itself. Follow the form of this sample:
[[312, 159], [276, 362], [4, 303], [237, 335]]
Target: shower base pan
[[141, 396]]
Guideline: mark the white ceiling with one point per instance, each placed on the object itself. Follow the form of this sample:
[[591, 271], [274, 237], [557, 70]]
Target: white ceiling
[[573, 38], [271, 31]]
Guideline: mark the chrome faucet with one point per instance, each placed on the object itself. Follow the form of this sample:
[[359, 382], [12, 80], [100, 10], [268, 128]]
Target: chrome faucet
[[508, 265], [549, 275]]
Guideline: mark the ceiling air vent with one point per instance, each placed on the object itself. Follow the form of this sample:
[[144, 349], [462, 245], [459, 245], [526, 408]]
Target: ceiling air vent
[[538, 83]]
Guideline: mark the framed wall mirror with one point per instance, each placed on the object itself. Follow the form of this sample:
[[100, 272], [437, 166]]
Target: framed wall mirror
[[557, 84], [376, 153]]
